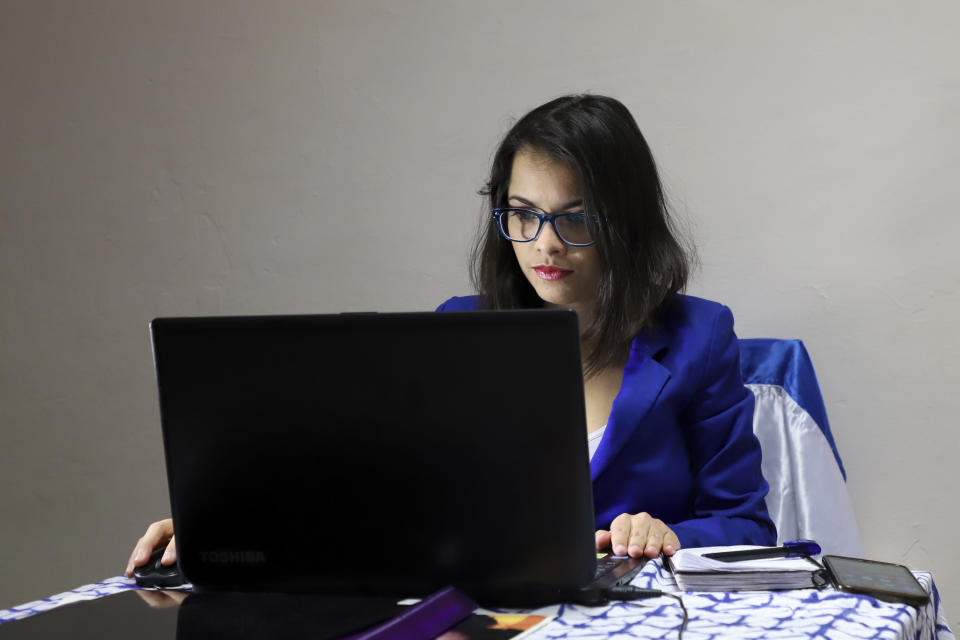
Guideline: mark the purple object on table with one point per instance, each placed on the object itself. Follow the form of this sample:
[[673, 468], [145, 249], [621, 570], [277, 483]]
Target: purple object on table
[[425, 620]]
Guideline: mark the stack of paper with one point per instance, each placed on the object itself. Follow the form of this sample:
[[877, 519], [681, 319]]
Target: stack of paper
[[693, 572]]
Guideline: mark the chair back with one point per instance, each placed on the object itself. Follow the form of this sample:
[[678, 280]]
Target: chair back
[[808, 495]]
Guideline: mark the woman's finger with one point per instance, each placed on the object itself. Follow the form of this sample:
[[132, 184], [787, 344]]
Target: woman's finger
[[640, 526], [620, 534], [603, 539], [654, 541], [133, 558], [671, 543], [170, 555]]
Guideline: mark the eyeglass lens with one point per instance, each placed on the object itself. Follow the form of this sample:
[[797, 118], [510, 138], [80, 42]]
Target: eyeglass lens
[[523, 225]]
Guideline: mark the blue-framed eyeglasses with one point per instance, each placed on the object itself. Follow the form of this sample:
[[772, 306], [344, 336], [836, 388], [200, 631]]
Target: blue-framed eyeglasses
[[525, 225]]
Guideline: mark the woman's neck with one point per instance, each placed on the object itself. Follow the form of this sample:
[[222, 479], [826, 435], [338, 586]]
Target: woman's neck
[[584, 314]]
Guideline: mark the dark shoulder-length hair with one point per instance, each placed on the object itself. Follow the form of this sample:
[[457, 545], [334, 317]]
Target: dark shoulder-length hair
[[644, 260]]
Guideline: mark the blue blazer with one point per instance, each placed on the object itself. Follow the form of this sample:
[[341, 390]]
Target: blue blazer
[[679, 441]]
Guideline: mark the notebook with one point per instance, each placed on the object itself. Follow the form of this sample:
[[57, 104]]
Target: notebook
[[380, 453], [694, 572]]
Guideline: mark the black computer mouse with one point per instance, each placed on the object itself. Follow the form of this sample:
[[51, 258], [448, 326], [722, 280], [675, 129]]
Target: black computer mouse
[[155, 575]]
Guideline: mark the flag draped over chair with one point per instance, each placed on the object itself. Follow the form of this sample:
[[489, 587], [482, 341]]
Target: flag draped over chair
[[808, 495]]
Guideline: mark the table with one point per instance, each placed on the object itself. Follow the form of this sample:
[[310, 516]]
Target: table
[[804, 613]]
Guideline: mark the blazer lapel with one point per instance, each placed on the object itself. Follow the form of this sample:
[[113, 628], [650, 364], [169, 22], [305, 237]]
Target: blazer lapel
[[643, 378]]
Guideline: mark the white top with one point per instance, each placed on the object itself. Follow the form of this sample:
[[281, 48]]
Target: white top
[[594, 438]]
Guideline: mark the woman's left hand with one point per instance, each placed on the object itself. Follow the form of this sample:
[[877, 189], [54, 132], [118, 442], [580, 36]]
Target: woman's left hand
[[638, 535]]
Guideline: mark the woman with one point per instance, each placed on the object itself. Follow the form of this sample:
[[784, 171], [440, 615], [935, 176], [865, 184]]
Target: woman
[[579, 221]]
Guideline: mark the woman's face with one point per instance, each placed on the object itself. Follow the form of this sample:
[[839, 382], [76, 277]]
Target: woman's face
[[562, 275]]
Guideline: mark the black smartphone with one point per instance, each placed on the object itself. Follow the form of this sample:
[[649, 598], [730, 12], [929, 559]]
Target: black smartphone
[[882, 580]]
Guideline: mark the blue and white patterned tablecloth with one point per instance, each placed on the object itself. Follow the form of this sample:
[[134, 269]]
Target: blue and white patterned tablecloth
[[107, 587], [806, 613], [713, 616]]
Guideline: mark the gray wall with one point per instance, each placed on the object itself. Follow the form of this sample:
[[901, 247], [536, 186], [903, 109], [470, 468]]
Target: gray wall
[[232, 157]]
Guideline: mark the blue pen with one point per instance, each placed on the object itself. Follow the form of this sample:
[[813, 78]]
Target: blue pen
[[790, 549]]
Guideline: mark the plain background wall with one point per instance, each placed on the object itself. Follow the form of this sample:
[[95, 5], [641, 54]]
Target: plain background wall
[[184, 157]]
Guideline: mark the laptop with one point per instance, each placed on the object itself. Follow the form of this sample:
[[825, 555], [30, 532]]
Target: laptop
[[390, 453]]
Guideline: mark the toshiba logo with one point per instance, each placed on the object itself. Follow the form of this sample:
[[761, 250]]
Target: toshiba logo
[[233, 557]]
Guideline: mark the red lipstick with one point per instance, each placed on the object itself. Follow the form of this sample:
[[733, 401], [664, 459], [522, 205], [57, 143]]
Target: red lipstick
[[551, 273]]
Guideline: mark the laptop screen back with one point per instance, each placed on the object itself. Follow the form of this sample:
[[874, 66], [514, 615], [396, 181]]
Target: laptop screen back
[[377, 452]]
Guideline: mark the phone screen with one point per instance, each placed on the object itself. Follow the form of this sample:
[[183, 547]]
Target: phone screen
[[882, 579]]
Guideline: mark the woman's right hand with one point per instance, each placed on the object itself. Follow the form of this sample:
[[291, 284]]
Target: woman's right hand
[[159, 533]]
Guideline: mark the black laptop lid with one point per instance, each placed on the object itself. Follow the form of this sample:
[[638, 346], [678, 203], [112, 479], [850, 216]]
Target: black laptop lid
[[377, 452]]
